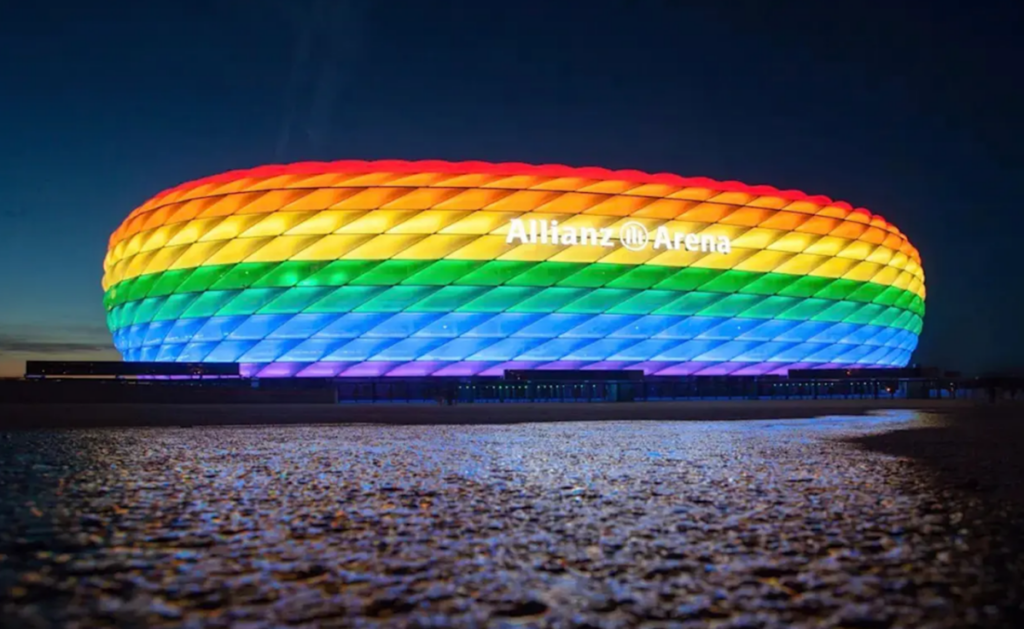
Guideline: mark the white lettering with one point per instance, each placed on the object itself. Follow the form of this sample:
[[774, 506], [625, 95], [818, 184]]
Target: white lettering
[[662, 239], [516, 230], [633, 236], [568, 235]]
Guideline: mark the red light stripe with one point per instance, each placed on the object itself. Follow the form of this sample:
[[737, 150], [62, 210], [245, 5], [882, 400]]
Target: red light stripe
[[506, 169]]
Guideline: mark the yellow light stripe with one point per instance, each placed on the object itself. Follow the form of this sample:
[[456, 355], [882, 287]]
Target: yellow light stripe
[[247, 232]]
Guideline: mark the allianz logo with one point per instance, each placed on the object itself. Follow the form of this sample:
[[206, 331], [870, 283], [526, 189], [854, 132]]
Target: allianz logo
[[631, 235]]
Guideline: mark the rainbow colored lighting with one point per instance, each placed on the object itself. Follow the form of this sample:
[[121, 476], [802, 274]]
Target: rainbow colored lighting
[[394, 268]]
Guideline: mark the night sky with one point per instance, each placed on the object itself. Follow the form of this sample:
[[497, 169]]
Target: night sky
[[911, 109]]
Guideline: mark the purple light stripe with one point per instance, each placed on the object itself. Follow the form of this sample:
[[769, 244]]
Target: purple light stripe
[[323, 370], [417, 368], [372, 368], [280, 370], [369, 369], [499, 369], [609, 365]]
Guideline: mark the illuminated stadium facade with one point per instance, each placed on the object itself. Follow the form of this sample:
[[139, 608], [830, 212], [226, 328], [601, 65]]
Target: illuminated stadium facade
[[431, 268]]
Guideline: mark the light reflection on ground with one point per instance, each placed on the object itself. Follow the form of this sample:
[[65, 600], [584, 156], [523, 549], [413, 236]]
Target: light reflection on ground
[[761, 523]]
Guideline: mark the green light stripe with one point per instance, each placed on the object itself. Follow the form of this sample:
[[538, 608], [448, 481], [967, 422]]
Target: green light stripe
[[537, 299], [509, 273]]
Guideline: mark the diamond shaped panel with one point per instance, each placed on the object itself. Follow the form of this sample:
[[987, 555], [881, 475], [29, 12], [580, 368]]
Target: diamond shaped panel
[[417, 268]]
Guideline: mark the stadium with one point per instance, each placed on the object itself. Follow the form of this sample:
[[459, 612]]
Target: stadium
[[430, 268]]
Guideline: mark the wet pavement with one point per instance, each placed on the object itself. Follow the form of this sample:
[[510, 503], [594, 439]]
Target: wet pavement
[[905, 519]]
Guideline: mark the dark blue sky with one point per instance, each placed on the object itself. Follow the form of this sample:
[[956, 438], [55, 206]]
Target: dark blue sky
[[911, 109]]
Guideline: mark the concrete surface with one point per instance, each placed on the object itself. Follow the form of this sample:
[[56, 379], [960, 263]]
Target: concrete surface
[[903, 519]]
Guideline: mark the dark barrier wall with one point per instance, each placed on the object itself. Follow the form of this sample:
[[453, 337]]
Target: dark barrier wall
[[113, 392], [491, 390], [44, 368]]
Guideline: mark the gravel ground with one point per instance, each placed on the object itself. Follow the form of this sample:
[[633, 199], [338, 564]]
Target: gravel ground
[[904, 519]]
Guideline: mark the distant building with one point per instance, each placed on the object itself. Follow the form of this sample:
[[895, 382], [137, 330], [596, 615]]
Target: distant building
[[433, 268]]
